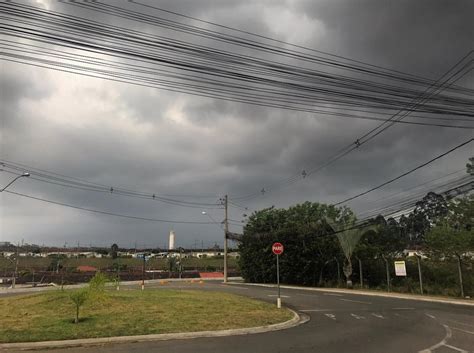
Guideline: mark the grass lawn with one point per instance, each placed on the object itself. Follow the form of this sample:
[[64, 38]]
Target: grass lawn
[[49, 315]]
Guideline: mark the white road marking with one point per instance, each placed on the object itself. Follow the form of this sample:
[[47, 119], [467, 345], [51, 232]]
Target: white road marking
[[439, 344], [355, 301], [456, 348], [331, 316], [276, 295], [236, 287], [431, 316], [333, 294], [378, 315], [357, 317], [314, 310], [444, 343], [403, 308], [307, 295], [460, 329], [461, 323]]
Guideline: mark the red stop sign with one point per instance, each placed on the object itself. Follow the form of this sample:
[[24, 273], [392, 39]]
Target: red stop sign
[[277, 248]]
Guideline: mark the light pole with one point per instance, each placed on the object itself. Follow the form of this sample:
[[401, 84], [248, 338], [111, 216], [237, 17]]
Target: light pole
[[18, 177], [226, 231]]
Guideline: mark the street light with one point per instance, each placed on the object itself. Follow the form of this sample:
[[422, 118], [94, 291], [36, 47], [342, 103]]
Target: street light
[[18, 177], [225, 238], [219, 224]]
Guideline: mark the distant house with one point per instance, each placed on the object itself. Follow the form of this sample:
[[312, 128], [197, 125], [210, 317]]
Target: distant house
[[86, 269]]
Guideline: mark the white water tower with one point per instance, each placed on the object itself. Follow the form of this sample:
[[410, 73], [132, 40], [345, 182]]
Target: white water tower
[[171, 242]]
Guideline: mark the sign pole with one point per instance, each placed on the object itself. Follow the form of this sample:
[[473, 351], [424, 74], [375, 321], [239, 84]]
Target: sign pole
[[278, 283], [277, 249]]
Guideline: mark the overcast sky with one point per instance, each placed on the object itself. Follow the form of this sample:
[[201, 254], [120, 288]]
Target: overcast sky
[[170, 143]]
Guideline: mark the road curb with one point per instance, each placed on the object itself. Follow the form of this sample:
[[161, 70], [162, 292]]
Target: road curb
[[368, 293], [27, 290], [296, 320]]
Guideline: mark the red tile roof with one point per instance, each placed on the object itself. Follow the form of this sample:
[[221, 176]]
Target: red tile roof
[[211, 274], [86, 269]]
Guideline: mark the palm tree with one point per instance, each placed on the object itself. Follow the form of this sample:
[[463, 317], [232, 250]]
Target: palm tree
[[348, 236]]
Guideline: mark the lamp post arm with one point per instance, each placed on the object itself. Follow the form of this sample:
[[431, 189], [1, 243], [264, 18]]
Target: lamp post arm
[[11, 182]]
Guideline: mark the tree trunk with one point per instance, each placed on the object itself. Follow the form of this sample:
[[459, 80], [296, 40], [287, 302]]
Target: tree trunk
[[347, 269], [76, 319]]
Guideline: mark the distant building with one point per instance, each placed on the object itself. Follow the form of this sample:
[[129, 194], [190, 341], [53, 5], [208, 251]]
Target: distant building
[[171, 241], [86, 269]]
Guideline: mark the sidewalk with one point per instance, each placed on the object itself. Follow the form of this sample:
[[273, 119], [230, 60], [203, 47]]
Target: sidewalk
[[426, 298]]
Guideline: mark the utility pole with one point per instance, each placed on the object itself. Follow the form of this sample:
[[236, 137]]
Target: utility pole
[[418, 258], [143, 272], [16, 267], [226, 231]]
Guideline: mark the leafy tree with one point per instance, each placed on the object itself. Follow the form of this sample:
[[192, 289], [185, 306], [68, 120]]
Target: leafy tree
[[79, 298], [470, 166], [303, 232], [95, 291], [387, 242], [97, 285], [454, 236], [114, 251], [172, 263], [425, 215], [461, 213], [444, 241]]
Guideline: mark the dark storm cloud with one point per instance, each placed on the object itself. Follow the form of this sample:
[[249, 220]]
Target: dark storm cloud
[[170, 143]]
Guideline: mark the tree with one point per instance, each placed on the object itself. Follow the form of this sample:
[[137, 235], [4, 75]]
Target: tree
[[94, 291], [387, 242], [303, 232], [426, 214], [470, 166], [97, 286], [454, 237], [114, 251], [172, 263], [348, 237], [79, 297]]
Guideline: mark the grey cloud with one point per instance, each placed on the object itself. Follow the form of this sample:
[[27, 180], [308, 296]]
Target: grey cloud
[[222, 147]]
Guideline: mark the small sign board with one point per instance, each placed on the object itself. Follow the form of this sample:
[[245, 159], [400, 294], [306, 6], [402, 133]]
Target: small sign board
[[400, 269], [277, 248]]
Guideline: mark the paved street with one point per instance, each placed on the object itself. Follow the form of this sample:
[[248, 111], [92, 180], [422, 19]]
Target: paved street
[[338, 323]]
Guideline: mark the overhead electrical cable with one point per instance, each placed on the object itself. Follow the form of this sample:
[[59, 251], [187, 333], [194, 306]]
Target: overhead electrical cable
[[106, 212], [404, 174], [246, 77], [76, 183]]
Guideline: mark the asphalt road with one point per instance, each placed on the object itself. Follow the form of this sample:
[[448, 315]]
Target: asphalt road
[[338, 323]]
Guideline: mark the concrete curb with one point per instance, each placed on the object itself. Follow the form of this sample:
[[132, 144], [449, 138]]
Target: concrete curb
[[369, 293], [123, 283], [293, 322]]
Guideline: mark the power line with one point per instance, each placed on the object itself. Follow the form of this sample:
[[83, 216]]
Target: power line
[[81, 184], [404, 174], [106, 212], [221, 74]]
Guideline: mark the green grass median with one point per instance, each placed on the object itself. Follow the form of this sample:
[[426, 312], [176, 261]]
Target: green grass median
[[50, 315]]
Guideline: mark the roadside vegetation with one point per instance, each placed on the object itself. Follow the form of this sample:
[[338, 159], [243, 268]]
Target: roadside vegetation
[[322, 247]]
